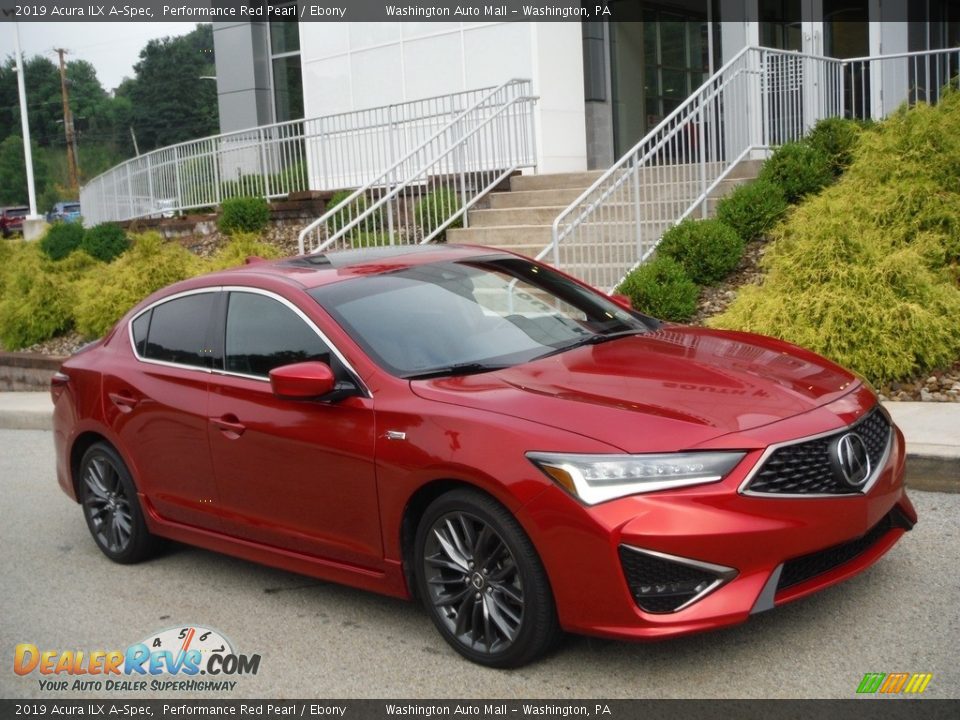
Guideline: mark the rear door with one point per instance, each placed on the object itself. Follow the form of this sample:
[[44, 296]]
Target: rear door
[[297, 475], [156, 400]]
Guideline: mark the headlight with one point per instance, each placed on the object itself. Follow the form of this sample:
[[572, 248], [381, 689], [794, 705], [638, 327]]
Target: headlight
[[597, 478]]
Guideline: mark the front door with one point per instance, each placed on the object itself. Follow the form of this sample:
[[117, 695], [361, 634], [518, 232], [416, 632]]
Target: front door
[[296, 475]]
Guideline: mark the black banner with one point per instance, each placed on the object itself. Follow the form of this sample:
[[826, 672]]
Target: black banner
[[864, 709], [194, 11]]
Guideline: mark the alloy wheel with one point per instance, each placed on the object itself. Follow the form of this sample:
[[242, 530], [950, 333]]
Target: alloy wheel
[[106, 505], [474, 582]]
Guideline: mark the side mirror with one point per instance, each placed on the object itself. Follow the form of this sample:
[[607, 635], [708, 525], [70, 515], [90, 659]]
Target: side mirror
[[623, 300], [302, 381]]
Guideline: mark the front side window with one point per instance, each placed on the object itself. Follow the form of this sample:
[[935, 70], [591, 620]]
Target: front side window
[[177, 331], [263, 334], [470, 316]]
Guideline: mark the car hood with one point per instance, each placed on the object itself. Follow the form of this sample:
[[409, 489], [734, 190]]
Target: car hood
[[666, 390]]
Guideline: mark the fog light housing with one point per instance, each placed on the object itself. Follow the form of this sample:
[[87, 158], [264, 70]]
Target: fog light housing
[[662, 583]]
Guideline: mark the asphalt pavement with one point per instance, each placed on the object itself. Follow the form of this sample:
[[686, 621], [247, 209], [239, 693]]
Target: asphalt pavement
[[322, 640]]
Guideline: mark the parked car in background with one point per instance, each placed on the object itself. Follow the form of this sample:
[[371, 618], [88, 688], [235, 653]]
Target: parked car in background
[[64, 212], [11, 220], [466, 426]]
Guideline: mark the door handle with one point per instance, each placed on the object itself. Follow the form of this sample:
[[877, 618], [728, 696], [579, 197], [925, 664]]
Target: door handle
[[124, 403], [229, 425]]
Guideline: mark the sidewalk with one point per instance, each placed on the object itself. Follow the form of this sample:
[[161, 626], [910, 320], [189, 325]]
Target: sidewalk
[[932, 431]]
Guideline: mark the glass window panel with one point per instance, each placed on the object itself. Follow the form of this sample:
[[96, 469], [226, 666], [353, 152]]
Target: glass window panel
[[674, 83], [263, 334], [288, 88], [140, 327], [178, 330], [673, 42], [284, 37]]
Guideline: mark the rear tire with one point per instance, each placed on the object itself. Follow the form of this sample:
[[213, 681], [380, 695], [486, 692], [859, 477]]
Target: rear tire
[[482, 582], [111, 507]]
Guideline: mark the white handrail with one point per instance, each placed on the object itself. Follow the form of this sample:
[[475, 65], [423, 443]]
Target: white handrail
[[322, 153], [456, 166], [775, 96]]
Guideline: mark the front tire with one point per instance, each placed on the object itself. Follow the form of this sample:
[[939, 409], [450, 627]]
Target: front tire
[[482, 582], [111, 507]]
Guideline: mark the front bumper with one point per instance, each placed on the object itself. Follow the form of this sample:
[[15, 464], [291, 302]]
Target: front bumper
[[779, 548]]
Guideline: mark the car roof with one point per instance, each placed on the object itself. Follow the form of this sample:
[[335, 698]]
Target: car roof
[[310, 271]]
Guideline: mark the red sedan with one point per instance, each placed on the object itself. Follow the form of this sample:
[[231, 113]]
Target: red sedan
[[470, 427]]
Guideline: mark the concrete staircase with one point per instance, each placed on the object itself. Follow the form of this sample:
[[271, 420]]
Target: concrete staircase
[[521, 219]]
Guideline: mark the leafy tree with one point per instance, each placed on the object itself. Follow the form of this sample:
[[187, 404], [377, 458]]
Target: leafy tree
[[170, 102], [44, 104], [13, 173]]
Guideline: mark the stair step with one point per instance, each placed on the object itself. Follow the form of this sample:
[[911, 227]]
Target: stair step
[[496, 217], [534, 198], [554, 181]]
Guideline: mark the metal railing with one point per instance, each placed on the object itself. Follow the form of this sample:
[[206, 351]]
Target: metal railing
[[761, 98], [344, 150], [432, 187]]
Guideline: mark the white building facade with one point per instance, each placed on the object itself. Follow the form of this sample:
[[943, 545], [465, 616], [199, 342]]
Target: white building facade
[[601, 85]]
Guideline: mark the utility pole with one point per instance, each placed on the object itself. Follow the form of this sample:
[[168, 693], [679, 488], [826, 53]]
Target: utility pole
[[68, 124]]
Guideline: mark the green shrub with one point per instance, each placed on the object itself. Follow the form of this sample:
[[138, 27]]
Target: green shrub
[[836, 138], [105, 241], [38, 295], [707, 249], [240, 247], [61, 240], [753, 209], [799, 169], [866, 272], [243, 214], [106, 292], [435, 207], [348, 213], [661, 288]]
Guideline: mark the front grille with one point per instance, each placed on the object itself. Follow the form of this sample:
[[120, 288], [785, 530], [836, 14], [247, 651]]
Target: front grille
[[809, 566], [659, 585], [805, 468]]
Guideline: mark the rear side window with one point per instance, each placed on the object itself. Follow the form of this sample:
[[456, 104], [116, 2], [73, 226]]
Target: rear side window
[[140, 327], [178, 331], [263, 334]]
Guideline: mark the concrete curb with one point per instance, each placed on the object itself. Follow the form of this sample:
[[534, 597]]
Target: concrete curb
[[932, 467], [933, 473]]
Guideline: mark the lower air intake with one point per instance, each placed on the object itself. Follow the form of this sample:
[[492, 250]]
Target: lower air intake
[[663, 583], [809, 566]]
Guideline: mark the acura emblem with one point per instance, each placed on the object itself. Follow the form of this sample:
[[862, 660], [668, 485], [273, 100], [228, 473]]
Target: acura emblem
[[852, 460]]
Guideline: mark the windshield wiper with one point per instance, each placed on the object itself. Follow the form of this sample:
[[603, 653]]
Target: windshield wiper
[[469, 368], [594, 339]]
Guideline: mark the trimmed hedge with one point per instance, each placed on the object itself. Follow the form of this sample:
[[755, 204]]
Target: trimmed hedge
[[837, 139], [707, 249], [61, 239], [105, 242], [799, 168], [661, 288], [753, 209], [243, 215]]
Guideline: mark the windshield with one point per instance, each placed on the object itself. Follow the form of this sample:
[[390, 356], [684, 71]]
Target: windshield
[[464, 317]]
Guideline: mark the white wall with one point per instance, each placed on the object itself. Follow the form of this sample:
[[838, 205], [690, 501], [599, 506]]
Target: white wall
[[360, 65]]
